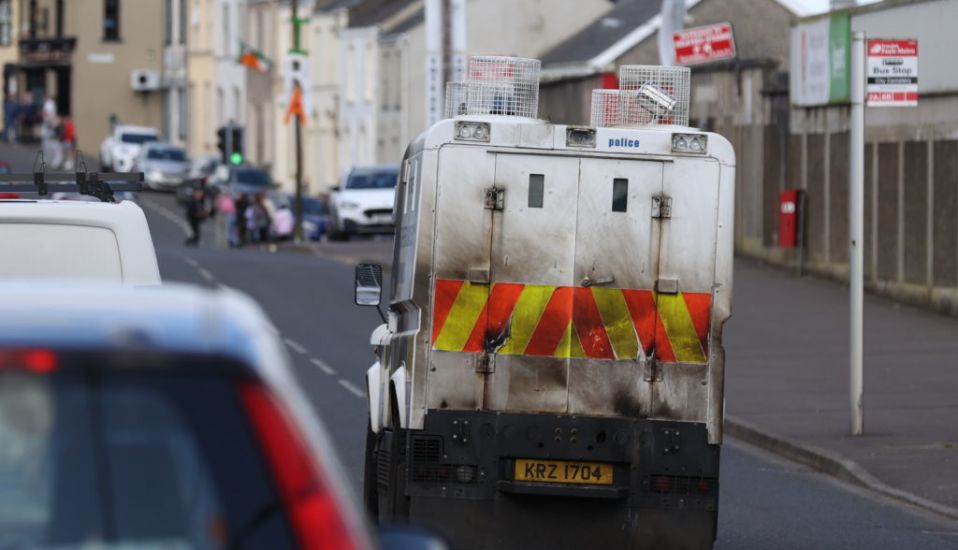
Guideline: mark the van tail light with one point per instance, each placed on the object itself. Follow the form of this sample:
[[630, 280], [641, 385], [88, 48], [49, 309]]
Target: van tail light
[[39, 361], [307, 497]]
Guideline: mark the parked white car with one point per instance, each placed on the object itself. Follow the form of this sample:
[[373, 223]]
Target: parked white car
[[119, 151], [363, 204], [76, 240]]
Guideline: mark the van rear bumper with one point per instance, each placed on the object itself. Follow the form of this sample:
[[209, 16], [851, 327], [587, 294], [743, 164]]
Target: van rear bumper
[[461, 480]]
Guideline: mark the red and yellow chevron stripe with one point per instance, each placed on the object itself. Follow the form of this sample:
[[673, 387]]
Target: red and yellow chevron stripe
[[561, 321]]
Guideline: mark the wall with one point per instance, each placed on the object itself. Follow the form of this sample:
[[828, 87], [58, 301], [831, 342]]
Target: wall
[[359, 96], [201, 75], [911, 174], [104, 88]]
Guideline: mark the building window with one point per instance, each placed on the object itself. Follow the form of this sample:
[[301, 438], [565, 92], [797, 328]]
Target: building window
[[169, 22], [183, 23], [6, 24], [111, 20], [226, 30]]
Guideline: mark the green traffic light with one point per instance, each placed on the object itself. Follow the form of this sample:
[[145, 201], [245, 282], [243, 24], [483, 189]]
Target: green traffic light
[[236, 158]]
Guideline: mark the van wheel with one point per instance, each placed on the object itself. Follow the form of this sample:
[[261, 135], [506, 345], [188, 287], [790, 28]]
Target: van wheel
[[370, 477]]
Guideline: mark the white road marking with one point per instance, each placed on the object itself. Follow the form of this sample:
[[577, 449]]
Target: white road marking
[[191, 261], [206, 274], [295, 346], [351, 388], [322, 366], [168, 214]]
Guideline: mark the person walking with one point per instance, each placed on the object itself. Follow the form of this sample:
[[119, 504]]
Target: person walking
[[10, 110], [52, 150], [196, 213], [241, 207], [257, 218], [226, 208], [69, 143]]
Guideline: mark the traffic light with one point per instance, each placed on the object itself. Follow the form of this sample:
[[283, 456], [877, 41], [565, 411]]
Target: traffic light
[[221, 144], [236, 143]]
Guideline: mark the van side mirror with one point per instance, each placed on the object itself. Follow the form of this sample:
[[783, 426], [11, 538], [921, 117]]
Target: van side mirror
[[369, 285]]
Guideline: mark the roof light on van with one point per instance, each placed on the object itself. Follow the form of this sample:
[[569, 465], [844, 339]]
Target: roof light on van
[[696, 144], [467, 130]]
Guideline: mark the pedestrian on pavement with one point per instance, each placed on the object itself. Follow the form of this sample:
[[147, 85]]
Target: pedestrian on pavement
[[49, 130], [226, 208], [241, 207], [69, 143], [10, 110], [258, 220], [196, 213]]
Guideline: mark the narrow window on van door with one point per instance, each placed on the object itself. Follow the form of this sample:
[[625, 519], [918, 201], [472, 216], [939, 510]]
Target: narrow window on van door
[[620, 195], [536, 189]]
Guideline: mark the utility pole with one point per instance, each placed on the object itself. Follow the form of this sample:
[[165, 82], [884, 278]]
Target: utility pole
[[298, 132], [856, 233]]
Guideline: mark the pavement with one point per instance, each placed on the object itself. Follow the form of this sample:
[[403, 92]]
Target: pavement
[[786, 379]]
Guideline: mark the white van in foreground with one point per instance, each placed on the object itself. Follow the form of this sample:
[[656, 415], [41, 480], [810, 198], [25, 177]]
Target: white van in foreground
[[52, 239]]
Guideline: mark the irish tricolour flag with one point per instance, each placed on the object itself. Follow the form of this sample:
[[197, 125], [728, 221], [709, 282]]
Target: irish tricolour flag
[[253, 58]]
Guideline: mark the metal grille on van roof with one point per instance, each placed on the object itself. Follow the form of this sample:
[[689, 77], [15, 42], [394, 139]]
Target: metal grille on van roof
[[496, 85], [605, 108], [457, 99], [648, 95], [654, 94]]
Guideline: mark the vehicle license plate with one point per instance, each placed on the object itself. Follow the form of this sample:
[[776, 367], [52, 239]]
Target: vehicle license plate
[[384, 220], [563, 471]]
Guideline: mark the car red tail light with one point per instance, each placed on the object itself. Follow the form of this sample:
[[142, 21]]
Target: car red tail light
[[40, 361], [311, 506]]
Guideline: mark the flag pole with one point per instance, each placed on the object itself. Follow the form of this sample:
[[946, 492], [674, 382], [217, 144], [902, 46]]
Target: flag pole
[[298, 133]]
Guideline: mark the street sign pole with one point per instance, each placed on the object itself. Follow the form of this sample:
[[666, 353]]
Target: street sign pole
[[856, 230], [298, 131]]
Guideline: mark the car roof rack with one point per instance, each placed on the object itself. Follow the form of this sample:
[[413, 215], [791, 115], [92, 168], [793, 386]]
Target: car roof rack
[[101, 185]]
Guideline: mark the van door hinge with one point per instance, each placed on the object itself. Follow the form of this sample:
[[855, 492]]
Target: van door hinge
[[661, 207], [486, 363], [653, 370], [495, 198]]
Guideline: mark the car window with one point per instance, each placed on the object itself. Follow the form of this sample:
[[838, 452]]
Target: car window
[[131, 460], [137, 138], [177, 155], [373, 180], [314, 206], [255, 178]]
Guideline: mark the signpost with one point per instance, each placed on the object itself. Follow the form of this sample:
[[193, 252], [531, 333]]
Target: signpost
[[892, 72], [704, 44]]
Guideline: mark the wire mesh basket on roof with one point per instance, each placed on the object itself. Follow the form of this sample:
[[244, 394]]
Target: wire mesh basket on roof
[[653, 94], [503, 86], [457, 99], [605, 108]]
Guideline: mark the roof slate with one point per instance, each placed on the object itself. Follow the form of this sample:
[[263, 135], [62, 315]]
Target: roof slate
[[603, 32]]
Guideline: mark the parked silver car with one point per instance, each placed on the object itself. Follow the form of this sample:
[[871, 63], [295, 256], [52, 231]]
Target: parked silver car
[[164, 166]]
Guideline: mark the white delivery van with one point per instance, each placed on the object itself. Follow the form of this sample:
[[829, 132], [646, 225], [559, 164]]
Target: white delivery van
[[73, 240]]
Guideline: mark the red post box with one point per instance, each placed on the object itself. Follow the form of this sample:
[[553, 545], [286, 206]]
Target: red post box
[[790, 218]]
